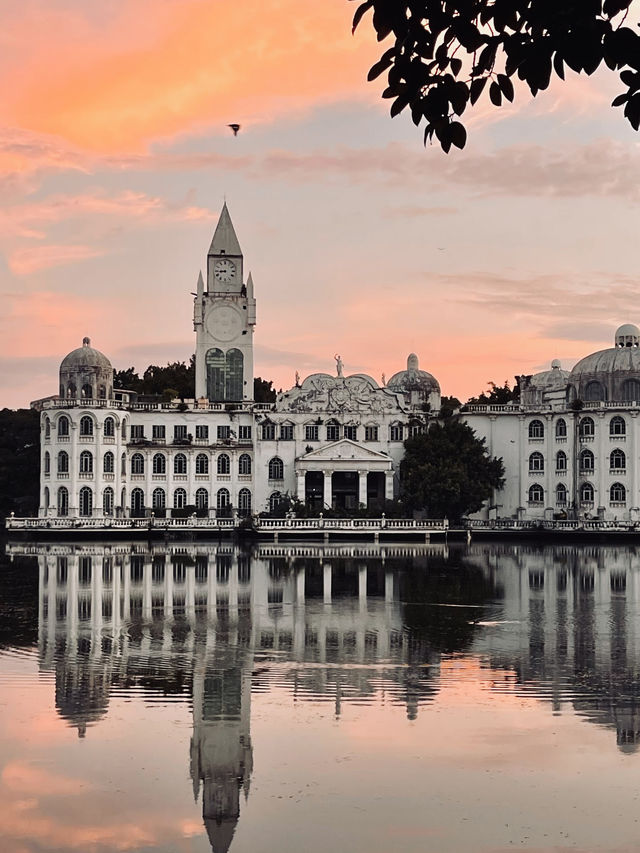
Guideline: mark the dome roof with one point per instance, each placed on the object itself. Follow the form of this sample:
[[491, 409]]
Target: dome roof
[[85, 357], [413, 379], [614, 360], [548, 380]]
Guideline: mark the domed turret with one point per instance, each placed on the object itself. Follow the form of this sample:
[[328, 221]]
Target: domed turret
[[86, 373], [611, 374], [416, 385], [546, 387]]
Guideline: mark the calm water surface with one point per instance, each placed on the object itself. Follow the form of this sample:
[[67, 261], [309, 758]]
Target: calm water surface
[[197, 697]]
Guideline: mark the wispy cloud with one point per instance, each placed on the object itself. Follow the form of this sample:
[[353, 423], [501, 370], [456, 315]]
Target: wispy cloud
[[32, 259]]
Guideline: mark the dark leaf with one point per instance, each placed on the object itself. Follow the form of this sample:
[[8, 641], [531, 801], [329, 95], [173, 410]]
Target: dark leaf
[[495, 94], [362, 8], [506, 86], [382, 64], [457, 134], [476, 88]]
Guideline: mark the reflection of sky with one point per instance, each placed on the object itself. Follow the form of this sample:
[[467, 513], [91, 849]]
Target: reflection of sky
[[115, 158], [482, 749]]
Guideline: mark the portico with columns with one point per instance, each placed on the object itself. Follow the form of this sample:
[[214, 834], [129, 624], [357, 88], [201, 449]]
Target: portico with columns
[[344, 475]]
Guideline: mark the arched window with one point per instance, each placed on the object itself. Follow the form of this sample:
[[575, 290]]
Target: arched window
[[159, 463], [63, 462], [137, 502], [87, 391], [631, 390], [561, 461], [617, 493], [244, 464], [137, 463], [595, 392], [109, 428], [107, 501], [47, 462], [586, 493], [215, 375], [108, 463], [536, 462], [224, 464], [85, 504], [63, 425], [46, 498], [587, 428], [86, 462], [587, 460], [71, 390], [124, 430], [244, 502], [561, 428], [333, 430], [396, 432], [47, 428], [158, 500], [617, 426], [179, 499], [202, 463], [561, 494], [102, 392], [86, 425], [222, 500], [202, 499], [123, 464], [235, 374], [536, 429], [276, 468], [275, 500], [63, 501], [179, 464], [536, 494], [617, 459]]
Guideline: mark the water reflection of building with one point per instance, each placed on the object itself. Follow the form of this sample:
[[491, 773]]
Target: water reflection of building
[[570, 628], [194, 619]]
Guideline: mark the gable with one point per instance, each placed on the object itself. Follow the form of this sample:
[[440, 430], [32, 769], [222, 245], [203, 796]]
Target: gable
[[345, 449]]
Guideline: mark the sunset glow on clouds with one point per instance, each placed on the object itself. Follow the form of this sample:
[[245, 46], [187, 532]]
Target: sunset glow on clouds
[[115, 159]]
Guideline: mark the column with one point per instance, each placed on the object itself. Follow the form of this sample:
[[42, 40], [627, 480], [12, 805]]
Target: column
[[362, 487], [388, 485], [300, 586], [326, 583], [301, 478], [327, 499], [362, 586]]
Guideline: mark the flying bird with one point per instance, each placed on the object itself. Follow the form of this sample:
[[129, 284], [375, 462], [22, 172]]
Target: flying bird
[[235, 128]]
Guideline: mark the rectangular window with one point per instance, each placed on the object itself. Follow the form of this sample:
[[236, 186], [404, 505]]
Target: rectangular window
[[371, 433], [223, 432], [158, 432], [333, 432], [179, 432], [351, 432], [244, 432], [137, 431], [202, 431], [396, 432], [268, 431], [286, 432], [311, 432]]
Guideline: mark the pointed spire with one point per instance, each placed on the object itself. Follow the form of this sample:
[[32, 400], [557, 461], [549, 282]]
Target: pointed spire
[[224, 239], [200, 285]]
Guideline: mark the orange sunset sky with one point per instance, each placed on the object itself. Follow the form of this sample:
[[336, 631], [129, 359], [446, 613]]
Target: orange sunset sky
[[115, 160]]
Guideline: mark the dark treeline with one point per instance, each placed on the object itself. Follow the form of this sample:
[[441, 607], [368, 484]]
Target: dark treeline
[[178, 379], [19, 462]]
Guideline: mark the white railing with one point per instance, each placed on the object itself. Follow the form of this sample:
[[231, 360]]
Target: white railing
[[513, 524], [362, 524], [187, 406]]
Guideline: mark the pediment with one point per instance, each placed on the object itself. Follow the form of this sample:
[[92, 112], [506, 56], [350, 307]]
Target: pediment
[[345, 449]]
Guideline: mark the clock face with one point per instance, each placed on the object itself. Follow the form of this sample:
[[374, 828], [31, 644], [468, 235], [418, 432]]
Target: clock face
[[224, 270], [224, 323]]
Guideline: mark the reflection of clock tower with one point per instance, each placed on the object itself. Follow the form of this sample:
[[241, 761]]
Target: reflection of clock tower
[[224, 316]]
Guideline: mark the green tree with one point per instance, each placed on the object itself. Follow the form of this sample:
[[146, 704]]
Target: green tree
[[19, 462], [448, 472], [263, 391], [448, 405], [448, 54], [497, 395]]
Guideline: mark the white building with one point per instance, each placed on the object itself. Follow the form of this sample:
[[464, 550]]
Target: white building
[[570, 446]]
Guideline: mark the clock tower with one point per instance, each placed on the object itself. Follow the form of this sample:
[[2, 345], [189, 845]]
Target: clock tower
[[224, 316]]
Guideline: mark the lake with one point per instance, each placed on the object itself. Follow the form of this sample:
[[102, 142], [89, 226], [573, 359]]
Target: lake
[[201, 697]]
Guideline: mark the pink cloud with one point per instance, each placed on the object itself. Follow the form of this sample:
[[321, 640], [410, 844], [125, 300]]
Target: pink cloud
[[32, 259]]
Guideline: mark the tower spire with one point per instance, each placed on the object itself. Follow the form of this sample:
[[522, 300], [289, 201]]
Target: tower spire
[[225, 241]]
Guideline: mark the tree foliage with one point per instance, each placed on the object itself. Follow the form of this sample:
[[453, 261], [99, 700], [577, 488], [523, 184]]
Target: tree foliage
[[19, 462], [448, 472], [263, 390], [497, 395], [448, 54]]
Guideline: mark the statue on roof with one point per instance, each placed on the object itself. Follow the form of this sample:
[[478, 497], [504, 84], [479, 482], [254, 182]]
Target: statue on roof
[[339, 365]]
